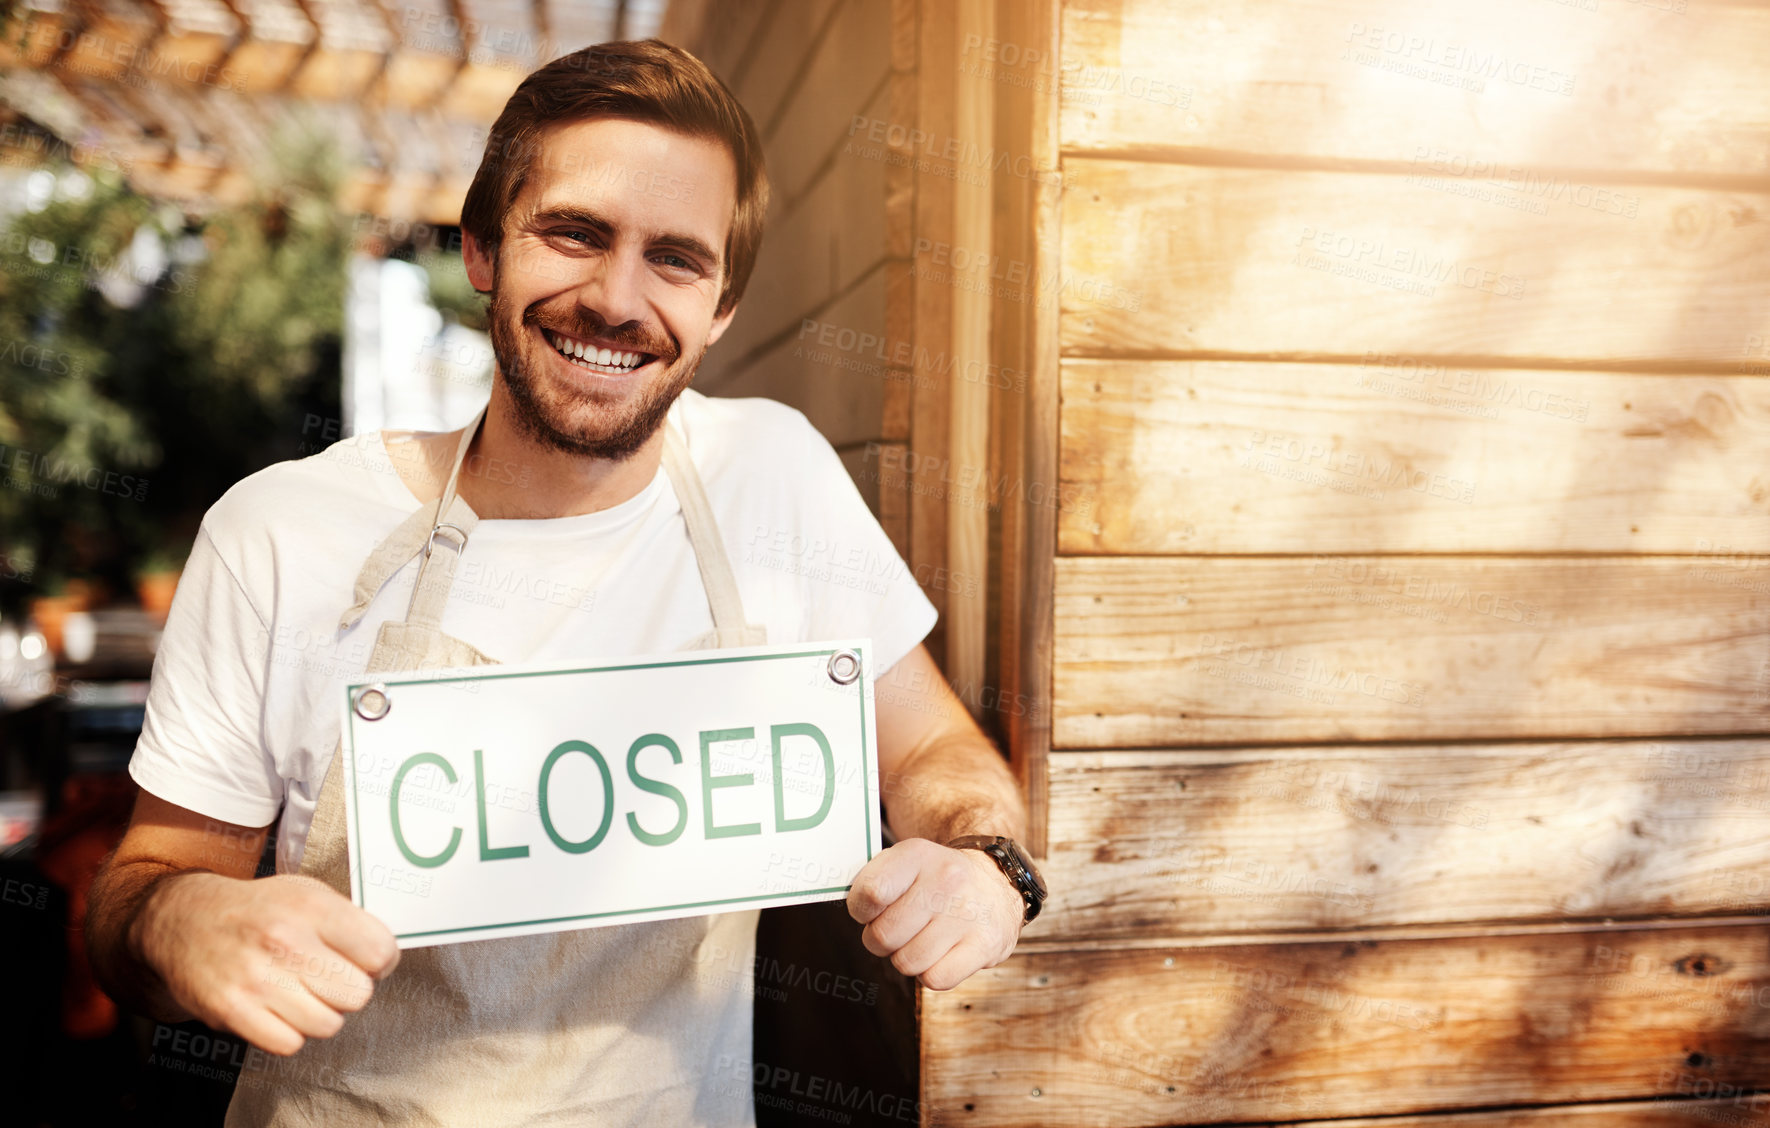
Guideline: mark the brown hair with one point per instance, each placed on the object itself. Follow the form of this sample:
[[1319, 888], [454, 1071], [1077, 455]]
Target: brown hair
[[642, 80]]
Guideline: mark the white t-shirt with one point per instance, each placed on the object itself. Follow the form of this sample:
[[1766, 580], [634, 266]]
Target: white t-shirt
[[243, 710]]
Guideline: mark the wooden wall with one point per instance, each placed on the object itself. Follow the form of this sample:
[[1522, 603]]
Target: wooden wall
[[1371, 550], [1409, 608], [811, 326], [846, 318]]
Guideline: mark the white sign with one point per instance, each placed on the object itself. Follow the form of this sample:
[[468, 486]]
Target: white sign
[[509, 800]]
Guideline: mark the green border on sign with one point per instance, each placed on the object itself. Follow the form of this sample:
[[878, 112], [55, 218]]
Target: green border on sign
[[361, 891]]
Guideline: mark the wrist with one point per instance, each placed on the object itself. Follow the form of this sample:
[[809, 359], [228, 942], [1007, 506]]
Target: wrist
[[156, 917], [1014, 864]]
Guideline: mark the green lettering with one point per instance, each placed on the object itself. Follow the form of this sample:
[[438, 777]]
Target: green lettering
[[710, 782], [608, 791], [781, 821], [486, 852], [656, 787], [399, 838]]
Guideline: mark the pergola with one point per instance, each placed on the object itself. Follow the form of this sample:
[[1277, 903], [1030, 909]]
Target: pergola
[[182, 96]]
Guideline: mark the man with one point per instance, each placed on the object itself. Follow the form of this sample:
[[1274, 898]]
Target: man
[[613, 221]]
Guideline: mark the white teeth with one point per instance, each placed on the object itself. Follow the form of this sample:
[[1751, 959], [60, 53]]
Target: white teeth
[[605, 358]]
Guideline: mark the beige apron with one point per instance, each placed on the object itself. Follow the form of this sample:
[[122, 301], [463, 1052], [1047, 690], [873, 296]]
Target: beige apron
[[627, 1024]]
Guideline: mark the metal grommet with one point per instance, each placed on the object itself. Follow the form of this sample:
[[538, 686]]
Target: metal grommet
[[372, 702], [430, 540], [844, 667]]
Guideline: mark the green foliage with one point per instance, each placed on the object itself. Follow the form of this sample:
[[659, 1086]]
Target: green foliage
[[146, 412]]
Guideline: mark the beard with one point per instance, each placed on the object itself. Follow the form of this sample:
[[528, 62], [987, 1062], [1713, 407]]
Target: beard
[[576, 419]]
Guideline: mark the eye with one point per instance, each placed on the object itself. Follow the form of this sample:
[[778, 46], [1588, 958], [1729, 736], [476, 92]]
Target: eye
[[674, 261]]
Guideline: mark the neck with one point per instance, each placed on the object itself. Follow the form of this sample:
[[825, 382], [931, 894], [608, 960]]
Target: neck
[[510, 474]]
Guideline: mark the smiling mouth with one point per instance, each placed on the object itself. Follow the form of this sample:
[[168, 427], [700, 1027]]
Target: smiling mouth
[[607, 362]]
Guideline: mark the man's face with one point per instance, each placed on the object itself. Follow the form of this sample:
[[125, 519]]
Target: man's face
[[604, 289]]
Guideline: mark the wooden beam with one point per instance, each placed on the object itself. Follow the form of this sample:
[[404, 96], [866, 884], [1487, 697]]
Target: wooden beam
[[1170, 260], [1315, 1030], [1173, 842], [1404, 454], [1230, 650]]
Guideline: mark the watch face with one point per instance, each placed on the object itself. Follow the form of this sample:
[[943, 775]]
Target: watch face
[[1024, 862]]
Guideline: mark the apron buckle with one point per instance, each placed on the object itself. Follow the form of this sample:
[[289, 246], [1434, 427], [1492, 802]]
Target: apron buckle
[[430, 540]]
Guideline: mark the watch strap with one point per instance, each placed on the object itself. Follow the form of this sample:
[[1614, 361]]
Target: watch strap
[[995, 845]]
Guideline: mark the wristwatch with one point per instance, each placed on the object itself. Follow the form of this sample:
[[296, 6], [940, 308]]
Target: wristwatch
[[1014, 862]]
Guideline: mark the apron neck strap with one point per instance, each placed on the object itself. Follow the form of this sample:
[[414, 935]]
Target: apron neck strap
[[440, 534], [703, 534], [430, 593]]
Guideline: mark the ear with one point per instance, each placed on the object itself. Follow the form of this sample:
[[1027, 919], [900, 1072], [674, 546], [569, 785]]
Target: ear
[[719, 325], [481, 267]]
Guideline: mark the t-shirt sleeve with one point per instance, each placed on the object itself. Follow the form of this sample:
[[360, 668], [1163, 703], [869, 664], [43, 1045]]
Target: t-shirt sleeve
[[201, 743], [863, 587]]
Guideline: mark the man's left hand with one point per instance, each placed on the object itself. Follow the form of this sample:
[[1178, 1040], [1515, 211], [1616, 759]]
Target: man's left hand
[[939, 913]]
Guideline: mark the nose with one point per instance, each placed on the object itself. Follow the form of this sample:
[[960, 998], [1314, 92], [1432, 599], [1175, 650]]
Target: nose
[[615, 286]]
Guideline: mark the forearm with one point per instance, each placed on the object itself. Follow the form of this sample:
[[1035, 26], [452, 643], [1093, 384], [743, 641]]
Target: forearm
[[955, 785], [120, 897]]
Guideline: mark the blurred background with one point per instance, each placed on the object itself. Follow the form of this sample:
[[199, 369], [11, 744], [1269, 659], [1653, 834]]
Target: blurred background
[[1334, 433]]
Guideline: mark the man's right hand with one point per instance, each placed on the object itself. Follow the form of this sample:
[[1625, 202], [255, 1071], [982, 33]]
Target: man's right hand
[[177, 928], [276, 960]]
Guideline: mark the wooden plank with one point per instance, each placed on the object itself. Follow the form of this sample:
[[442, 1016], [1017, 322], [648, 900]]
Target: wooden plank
[[832, 371], [1188, 650], [1168, 843], [1165, 259], [1399, 454], [933, 184], [841, 76], [1743, 1107], [112, 35], [780, 58], [719, 34], [1308, 1031], [196, 36], [1023, 341], [969, 401], [354, 41], [278, 34], [426, 53], [1574, 84], [813, 249]]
